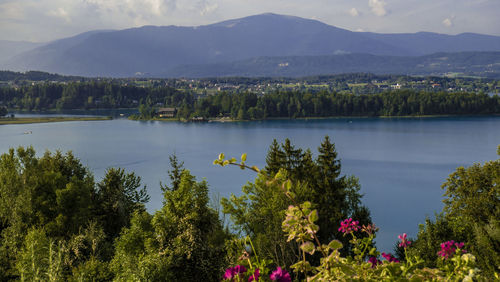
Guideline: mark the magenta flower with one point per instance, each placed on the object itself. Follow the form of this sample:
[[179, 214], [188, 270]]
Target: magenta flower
[[374, 261], [254, 276], [449, 248], [239, 269], [348, 226], [280, 275], [404, 242], [389, 257], [233, 272], [228, 275]]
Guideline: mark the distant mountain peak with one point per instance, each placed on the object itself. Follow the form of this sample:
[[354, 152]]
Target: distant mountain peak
[[159, 49], [264, 18]]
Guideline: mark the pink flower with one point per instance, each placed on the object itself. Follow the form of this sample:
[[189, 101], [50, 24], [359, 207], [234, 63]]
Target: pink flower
[[233, 271], [449, 248], [348, 226], [228, 275], [280, 275], [374, 261], [404, 242], [254, 276], [389, 257], [239, 269]]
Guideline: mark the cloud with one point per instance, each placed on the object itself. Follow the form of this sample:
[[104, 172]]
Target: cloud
[[448, 22], [354, 12], [378, 7], [209, 8], [60, 13]]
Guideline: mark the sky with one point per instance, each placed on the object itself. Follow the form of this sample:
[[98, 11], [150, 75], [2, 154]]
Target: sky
[[46, 20]]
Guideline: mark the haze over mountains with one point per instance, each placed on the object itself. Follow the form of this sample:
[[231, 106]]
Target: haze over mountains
[[266, 44]]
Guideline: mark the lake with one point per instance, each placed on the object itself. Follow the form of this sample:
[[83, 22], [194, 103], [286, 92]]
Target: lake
[[401, 162]]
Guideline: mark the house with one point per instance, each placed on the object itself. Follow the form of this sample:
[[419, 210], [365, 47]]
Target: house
[[166, 112]]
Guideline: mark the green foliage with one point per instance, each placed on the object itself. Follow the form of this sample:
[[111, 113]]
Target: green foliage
[[300, 226], [470, 214], [146, 111], [40, 258], [52, 202], [118, 196], [3, 111], [260, 210], [184, 241], [338, 99]]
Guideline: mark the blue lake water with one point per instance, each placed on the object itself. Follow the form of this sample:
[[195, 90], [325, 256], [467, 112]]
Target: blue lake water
[[401, 163]]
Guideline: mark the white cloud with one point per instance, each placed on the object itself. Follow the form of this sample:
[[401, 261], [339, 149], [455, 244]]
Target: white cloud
[[44, 20], [378, 7], [12, 11], [60, 13], [448, 22], [209, 8], [354, 12]]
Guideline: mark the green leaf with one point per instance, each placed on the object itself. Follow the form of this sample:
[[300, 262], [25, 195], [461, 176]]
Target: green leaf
[[335, 245], [221, 156], [306, 205], [255, 168], [308, 247], [313, 216], [244, 157]]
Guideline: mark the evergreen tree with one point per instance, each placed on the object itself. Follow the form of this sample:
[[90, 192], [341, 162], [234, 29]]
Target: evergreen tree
[[118, 196], [184, 241], [275, 158], [260, 210]]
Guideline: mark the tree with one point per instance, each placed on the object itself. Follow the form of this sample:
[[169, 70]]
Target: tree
[[260, 210], [55, 197], [184, 241], [118, 197], [3, 111], [53, 192], [336, 197], [470, 214]]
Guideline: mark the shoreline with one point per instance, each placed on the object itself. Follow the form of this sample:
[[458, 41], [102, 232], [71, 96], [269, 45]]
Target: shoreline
[[352, 117], [31, 120]]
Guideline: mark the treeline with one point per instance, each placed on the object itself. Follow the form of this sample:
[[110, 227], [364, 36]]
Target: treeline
[[58, 224], [86, 95], [246, 106], [324, 104], [37, 76]]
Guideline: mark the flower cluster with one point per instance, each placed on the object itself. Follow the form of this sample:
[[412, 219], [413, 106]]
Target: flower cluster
[[389, 257], [448, 249], [254, 276], [374, 261], [236, 274], [232, 272], [348, 226], [280, 275], [404, 242]]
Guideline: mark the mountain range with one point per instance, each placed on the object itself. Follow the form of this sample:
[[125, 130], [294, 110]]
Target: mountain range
[[256, 46]]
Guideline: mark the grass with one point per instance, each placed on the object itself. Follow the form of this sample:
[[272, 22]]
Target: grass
[[26, 120]]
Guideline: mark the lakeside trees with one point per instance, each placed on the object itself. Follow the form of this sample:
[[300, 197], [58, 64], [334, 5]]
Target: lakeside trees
[[57, 223], [471, 214], [261, 209], [246, 105]]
